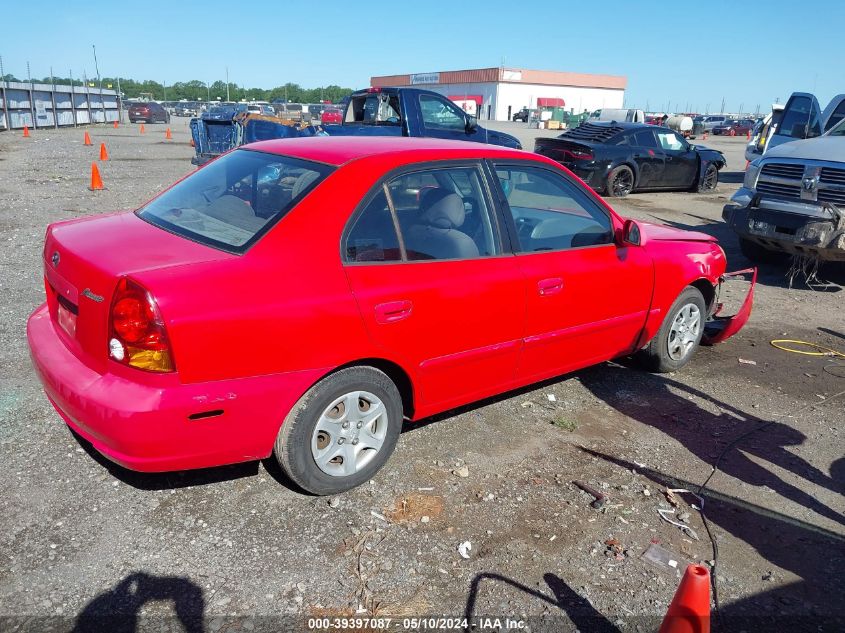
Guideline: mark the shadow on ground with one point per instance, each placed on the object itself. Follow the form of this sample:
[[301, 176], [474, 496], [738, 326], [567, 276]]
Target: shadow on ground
[[118, 610]]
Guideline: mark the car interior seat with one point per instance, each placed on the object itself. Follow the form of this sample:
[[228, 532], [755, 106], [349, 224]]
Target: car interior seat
[[436, 232]]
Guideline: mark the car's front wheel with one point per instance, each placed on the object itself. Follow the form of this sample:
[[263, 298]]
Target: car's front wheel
[[341, 432], [710, 179], [679, 335]]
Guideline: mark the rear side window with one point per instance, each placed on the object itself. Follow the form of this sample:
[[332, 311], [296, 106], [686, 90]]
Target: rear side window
[[645, 138], [372, 237], [231, 202], [441, 214]]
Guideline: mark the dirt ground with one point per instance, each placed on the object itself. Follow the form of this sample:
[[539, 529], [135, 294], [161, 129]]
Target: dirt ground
[[237, 549]]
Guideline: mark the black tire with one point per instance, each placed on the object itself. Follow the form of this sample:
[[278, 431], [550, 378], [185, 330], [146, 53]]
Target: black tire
[[620, 181], [710, 179], [757, 253], [293, 449], [655, 356]]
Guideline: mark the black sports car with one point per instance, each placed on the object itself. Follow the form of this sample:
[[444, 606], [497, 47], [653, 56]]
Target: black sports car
[[618, 158]]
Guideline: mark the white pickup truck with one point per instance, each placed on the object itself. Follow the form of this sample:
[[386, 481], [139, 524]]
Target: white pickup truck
[[793, 198]]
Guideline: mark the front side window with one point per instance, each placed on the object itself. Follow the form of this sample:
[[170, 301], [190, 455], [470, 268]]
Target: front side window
[[231, 202], [551, 213], [670, 141], [438, 114], [837, 116]]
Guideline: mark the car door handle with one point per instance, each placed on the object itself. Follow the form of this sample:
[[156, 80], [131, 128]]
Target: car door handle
[[550, 286], [393, 311]]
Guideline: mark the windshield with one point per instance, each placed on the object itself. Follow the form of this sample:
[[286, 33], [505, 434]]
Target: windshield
[[231, 202]]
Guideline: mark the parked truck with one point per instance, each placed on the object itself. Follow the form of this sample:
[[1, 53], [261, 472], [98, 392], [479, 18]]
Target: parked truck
[[369, 112], [792, 201]]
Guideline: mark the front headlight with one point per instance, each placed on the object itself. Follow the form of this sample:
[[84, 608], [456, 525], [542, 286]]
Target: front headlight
[[751, 174]]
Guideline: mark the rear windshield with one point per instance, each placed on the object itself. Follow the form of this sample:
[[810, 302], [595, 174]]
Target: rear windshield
[[231, 202]]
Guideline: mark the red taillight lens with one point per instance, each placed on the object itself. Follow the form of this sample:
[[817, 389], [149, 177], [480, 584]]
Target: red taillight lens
[[137, 336], [566, 155]]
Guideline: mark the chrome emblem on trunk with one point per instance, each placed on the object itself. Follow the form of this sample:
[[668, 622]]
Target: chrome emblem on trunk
[[55, 259], [87, 293]]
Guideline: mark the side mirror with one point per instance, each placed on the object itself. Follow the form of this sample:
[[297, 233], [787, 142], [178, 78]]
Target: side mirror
[[472, 124], [632, 234]]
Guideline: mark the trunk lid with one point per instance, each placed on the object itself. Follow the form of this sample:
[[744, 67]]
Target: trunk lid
[[83, 261]]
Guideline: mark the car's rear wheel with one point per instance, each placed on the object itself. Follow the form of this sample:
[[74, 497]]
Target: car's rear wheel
[[341, 432], [679, 335], [757, 253], [620, 181], [710, 178]]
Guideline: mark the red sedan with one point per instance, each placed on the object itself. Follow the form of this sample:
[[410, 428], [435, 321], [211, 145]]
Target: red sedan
[[302, 297], [331, 116]]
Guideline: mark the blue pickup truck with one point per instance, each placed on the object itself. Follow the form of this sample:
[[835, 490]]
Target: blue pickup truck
[[369, 112]]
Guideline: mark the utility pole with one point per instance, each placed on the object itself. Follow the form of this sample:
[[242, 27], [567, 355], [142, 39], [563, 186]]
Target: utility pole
[[227, 83], [722, 111], [99, 82], [6, 118]]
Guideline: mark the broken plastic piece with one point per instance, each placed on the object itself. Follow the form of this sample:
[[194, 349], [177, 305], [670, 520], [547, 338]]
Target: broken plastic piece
[[464, 549], [660, 556]]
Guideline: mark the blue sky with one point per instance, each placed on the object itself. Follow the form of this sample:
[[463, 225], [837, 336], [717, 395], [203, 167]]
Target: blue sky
[[686, 53]]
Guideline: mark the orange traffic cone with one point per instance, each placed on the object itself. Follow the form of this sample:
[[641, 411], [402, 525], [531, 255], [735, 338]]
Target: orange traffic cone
[[115, 125], [104, 154], [748, 135], [167, 135], [689, 611], [87, 139], [25, 132], [142, 130], [96, 181]]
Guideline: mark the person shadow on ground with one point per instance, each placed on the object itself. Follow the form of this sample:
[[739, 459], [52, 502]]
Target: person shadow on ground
[[665, 404], [117, 610]]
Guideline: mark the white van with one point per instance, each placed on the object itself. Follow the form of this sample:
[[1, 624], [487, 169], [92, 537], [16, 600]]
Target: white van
[[620, 115]]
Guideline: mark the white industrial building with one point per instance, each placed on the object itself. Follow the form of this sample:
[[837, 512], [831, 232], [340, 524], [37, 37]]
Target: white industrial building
[[501, 92]]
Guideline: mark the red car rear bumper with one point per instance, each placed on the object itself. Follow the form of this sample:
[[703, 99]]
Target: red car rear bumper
[[168, 426]]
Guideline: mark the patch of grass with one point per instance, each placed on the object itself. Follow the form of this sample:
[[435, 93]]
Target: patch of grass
[[564, 423]]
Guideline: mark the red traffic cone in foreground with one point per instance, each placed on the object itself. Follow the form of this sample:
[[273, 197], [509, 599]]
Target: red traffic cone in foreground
[[96, 181], [104, 154], [87, 139], [167, 135], [25, 132], [689, 611], [142, 130], [115, 125]]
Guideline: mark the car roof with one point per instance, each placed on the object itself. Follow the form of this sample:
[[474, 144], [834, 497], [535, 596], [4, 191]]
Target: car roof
[[342, 149]]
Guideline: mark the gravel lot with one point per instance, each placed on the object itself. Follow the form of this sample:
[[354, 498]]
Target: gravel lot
[[207, 550]]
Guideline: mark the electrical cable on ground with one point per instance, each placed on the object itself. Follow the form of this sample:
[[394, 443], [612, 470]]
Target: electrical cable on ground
[[780, 344]]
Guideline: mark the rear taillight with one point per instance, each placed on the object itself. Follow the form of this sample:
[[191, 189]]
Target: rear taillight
[[576, 155], [137, 336]]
